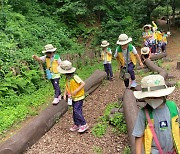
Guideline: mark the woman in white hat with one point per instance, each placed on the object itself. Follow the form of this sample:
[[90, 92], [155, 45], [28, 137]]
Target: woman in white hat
[[158, 123], [52, 61], [126, 55], [145, 53], [74, 90], [106, 56]]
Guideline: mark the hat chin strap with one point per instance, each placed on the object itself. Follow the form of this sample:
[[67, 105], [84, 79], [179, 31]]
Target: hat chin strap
[[155, 103]]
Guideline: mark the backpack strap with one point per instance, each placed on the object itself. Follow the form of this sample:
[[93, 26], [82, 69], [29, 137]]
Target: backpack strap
[[151, 126]]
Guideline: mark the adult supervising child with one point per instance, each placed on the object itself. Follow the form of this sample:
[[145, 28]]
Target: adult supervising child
[[52, 61], [126, 55], [158, 123], [106, 55], [74, 89]]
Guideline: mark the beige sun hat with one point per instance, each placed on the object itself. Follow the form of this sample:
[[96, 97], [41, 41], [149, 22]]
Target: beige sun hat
[[147, 25], [153, 86], [104, 43], [123, 39], [66, 67], [145, 50], [49, 48]]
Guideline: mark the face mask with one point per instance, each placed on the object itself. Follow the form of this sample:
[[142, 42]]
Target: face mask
[[154, 103]]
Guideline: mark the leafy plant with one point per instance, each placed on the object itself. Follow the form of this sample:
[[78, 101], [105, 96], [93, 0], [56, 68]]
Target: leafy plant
[[99, 129]]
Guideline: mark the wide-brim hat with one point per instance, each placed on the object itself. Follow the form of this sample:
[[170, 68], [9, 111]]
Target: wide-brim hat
[[145, 50], [147, 25], [104, 43], [49, 48], [66, 67], [123, 39], [153, 86]]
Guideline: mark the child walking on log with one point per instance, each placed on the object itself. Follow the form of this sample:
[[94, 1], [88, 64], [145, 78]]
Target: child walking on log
[[106, 55], [126, 55], [158, 123], [52, 61], [74, 89]]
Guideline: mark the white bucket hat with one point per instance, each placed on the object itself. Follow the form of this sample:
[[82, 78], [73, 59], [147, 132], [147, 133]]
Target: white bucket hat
[[153, 86], [66, 67], [147, 25], [104, 43], [145, 50], [49, 48], [123, 39]]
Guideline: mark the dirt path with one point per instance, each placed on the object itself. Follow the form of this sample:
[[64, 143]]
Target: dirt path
[[60, 141]]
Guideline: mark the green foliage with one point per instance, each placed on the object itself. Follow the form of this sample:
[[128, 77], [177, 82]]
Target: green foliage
[[97, 150], [119, 122], [127, 150], [99, 129]]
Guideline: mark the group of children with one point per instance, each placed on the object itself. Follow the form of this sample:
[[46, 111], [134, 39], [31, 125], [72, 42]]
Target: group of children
[[155, 39], [74, 86], [126, 55], [158, 124]]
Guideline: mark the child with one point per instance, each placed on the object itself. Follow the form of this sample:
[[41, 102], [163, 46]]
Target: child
[[126, 55], [106, 55], [52, 61], [164, 40], [145, 53], [74, 89], [158, 123], [149, 40]]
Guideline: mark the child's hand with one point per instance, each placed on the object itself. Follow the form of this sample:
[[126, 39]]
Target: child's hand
[[34, 56], [64, 97], [73, 93]]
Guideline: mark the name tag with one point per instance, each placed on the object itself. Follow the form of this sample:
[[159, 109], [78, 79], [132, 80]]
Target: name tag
[[163, 125]]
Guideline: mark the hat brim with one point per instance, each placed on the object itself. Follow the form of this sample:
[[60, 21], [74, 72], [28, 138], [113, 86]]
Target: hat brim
[[52, 50], [147, 26], [104, 45], [124, 42], [144, 53], [62, 71], [157, 93]]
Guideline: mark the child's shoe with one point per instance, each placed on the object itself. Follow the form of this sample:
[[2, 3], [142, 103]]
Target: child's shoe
[[133, 83], [83, 128], [59, 97], [55, 101], [74, 128]]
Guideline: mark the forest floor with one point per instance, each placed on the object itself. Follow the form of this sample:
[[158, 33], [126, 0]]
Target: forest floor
[[59, 140]]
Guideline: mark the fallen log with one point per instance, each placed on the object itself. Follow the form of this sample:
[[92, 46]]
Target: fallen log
[[130, 110], [94, 80], [29, 134], [158, 56], [153, 67], [42, 123]]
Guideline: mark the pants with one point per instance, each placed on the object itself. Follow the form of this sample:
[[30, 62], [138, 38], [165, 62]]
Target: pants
[[163, 47], [131, 70], [57, 91], [151, 45], [108, 70], [78, 117]]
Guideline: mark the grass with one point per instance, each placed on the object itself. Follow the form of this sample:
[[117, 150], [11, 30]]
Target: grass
[[18, 108], [117, 121]]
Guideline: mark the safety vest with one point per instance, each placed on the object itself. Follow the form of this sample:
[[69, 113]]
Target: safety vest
[[53, 67], [72, 85], [108, 56], [120, 56], [164, 39], [148, 136], [159, 36]]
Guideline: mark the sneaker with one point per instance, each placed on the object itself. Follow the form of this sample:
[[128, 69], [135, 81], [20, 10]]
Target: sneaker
[[74, 128], [133, 84], [83, 128], [59, 97], [55, 101]]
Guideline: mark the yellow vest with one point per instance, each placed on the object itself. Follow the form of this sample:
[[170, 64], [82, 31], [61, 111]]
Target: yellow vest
[[54, 64], [120, 56], [72, 85], [159, 36], [148, 137], [164, 39], [108, 56]]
